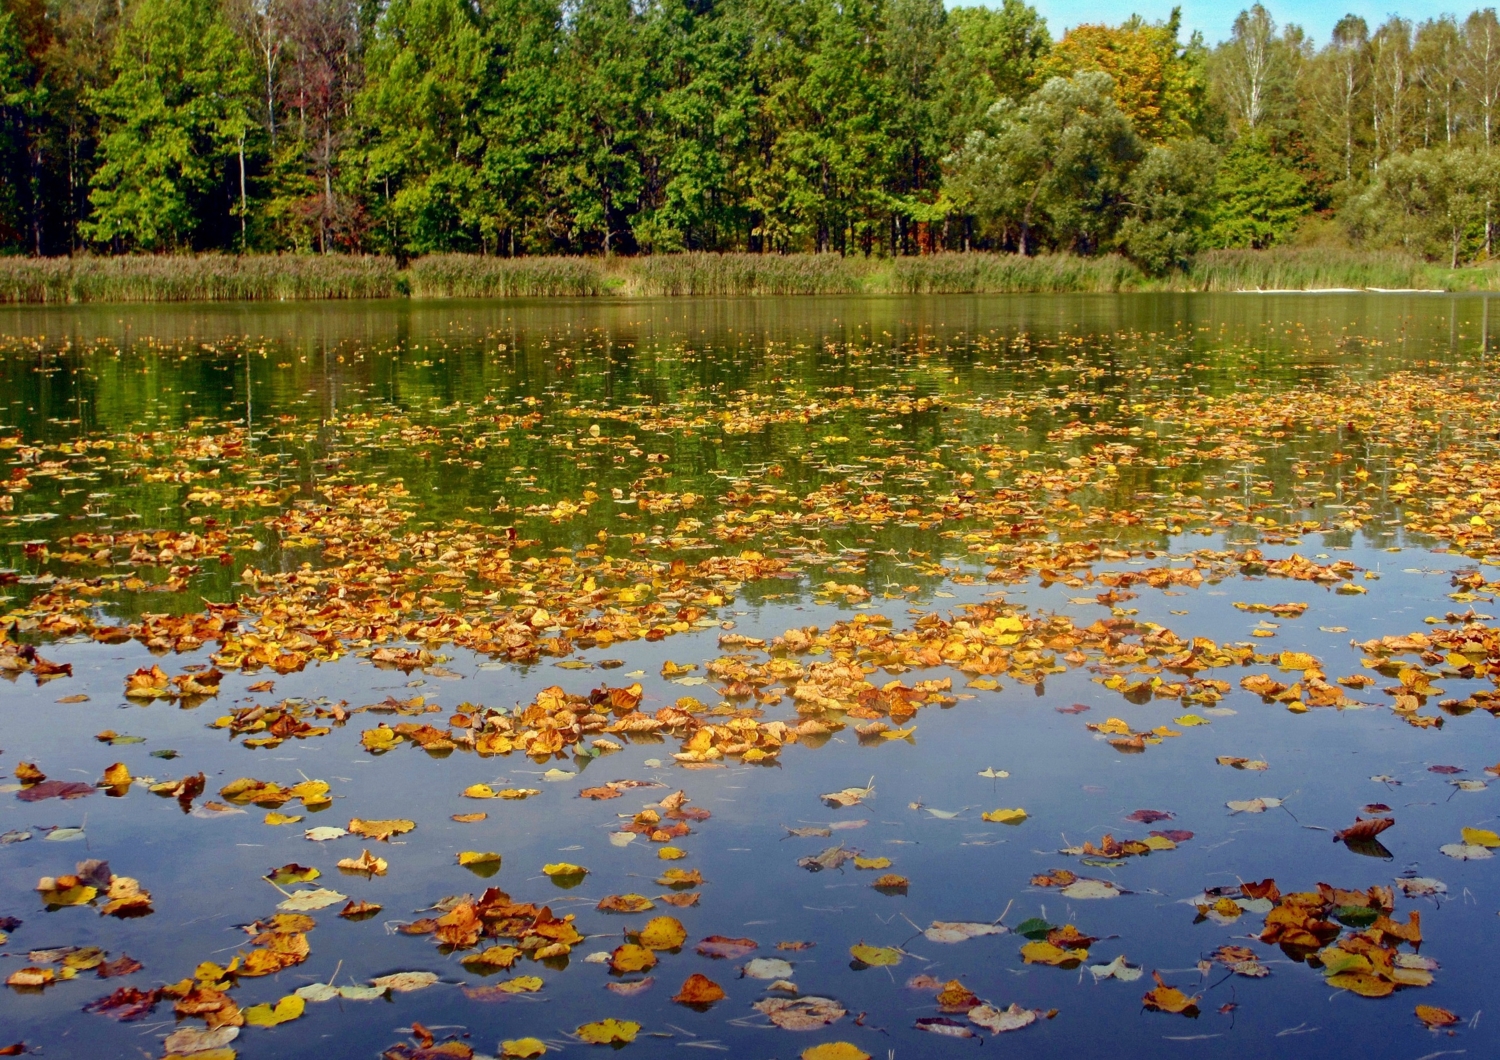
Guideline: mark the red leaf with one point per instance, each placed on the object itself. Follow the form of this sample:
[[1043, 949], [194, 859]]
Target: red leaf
[[1364, 828]]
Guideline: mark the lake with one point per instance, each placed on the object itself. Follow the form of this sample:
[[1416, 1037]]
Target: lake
[[1112, 675]]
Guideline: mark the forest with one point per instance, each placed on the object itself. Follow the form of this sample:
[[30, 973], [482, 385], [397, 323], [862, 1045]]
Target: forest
[[882, 128]]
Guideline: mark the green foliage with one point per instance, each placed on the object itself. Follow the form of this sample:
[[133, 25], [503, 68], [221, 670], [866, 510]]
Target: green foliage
[[419, 113], [17, 100], [994, 53], [1172, 192], [1260, 198], [1433, 203], [879, 127], [171, 120], [1051, 171]]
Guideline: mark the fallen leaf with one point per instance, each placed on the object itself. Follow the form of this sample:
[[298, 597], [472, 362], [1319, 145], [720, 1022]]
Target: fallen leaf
[[800, 1013], [380, 830], [662, 933], [718, 946], [1116, 969], [998, 1021], [834, 1051], [284, 1011], [608, 1032], [306, 901], [698, 989], [366, 863], [404, 982], [198, 1040], [875, 956], [1434, 1017], [1003, 816], [1164, 998]]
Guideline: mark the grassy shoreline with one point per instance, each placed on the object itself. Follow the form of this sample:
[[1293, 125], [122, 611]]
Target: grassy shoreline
[[220, 278]]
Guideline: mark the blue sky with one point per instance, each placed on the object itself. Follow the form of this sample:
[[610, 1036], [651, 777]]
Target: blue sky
[[1214, 19]]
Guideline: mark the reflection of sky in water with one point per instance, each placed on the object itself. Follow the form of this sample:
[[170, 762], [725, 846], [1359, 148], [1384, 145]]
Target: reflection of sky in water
[[204, 873]]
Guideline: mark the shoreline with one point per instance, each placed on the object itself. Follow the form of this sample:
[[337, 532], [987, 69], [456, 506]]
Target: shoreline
[[308, 278]]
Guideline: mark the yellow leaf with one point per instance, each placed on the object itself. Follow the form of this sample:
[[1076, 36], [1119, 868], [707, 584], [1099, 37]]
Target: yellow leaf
[[1115, 726], [1297, 660], [225, 1053], [835, 1051], [631, 958], [116, 776], [495, 956], [897, 734], [663, 933], [286, 1010], [1188, 720], [670, 853], [1481, 837], [1046, 953], [563, 868], [521, 984], [876, 956], [519, 793], [1436, 1017], [607, 1032], [1362, 983], [476, 857], [1003, 816], [274, 818], [872, 863], [479, 791], [522, 1048], [382, 830]]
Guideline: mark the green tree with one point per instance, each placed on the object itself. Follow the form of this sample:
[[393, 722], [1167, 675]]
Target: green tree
[[604, 115], [822, 137], [1172, 197], [18, 98], [1051, 171], [171, 123], [1260, 197], [1429, 202], [420, 148], [994, 53]]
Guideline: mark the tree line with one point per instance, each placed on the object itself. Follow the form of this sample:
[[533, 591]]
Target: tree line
[[516, 127]]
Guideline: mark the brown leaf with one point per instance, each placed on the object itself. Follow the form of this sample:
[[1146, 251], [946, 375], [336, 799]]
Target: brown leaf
[[1364, 828], [699, 990]]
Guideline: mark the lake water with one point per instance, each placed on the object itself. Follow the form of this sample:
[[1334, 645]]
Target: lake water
[[936, 539]]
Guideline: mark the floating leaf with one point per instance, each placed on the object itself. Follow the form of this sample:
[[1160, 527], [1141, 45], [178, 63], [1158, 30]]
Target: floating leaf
[[1004, 816], [404, 982], [306, 901], [608, 1032], [284, 1011], [875, 956], [698, 989], [834, 1051], [1164, 998], [662, 933]]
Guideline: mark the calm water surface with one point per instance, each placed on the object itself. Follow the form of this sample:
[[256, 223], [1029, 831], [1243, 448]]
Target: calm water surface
[[480, 414]]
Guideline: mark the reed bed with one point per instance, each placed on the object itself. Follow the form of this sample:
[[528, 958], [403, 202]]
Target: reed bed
[[291, 277], [744, 274], [470, 276], [1013, 274], [1311, 269], [200, 278]]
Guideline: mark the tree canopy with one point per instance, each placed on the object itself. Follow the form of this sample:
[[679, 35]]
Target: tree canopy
[[635, 126]]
